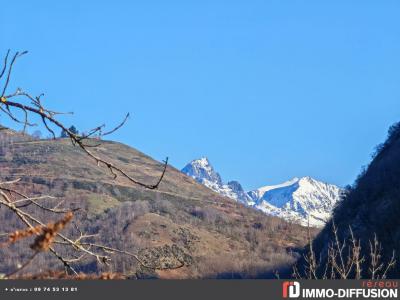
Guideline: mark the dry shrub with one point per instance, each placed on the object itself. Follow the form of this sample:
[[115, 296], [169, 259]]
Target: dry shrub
[[345, 260]]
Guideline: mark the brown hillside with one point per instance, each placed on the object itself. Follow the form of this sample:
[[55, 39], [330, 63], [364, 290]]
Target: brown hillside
[[182, 226]]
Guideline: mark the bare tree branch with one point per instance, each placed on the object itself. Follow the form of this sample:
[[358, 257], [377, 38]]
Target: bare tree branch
[[47, 235]]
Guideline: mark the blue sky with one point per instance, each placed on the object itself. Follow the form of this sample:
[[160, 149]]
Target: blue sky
[[268, 90]]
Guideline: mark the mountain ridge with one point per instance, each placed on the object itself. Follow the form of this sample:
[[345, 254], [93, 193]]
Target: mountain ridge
[[304, 200]]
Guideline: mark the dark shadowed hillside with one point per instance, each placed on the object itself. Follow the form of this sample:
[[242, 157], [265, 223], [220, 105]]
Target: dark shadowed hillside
[[371, 207], [182, 227]]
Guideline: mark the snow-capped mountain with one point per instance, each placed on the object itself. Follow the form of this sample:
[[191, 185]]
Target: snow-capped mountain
[[203, 172], [303, 200]]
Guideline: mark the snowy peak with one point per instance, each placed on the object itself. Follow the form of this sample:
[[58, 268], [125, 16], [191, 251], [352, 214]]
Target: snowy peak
[[235, 186], [259, 193], [303, 200], [238, 192], [202, 170]]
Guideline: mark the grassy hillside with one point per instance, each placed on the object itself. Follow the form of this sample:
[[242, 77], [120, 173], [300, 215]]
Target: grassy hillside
[[182, 225]]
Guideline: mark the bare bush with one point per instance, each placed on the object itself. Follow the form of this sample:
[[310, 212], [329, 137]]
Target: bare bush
[[345, 260]]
